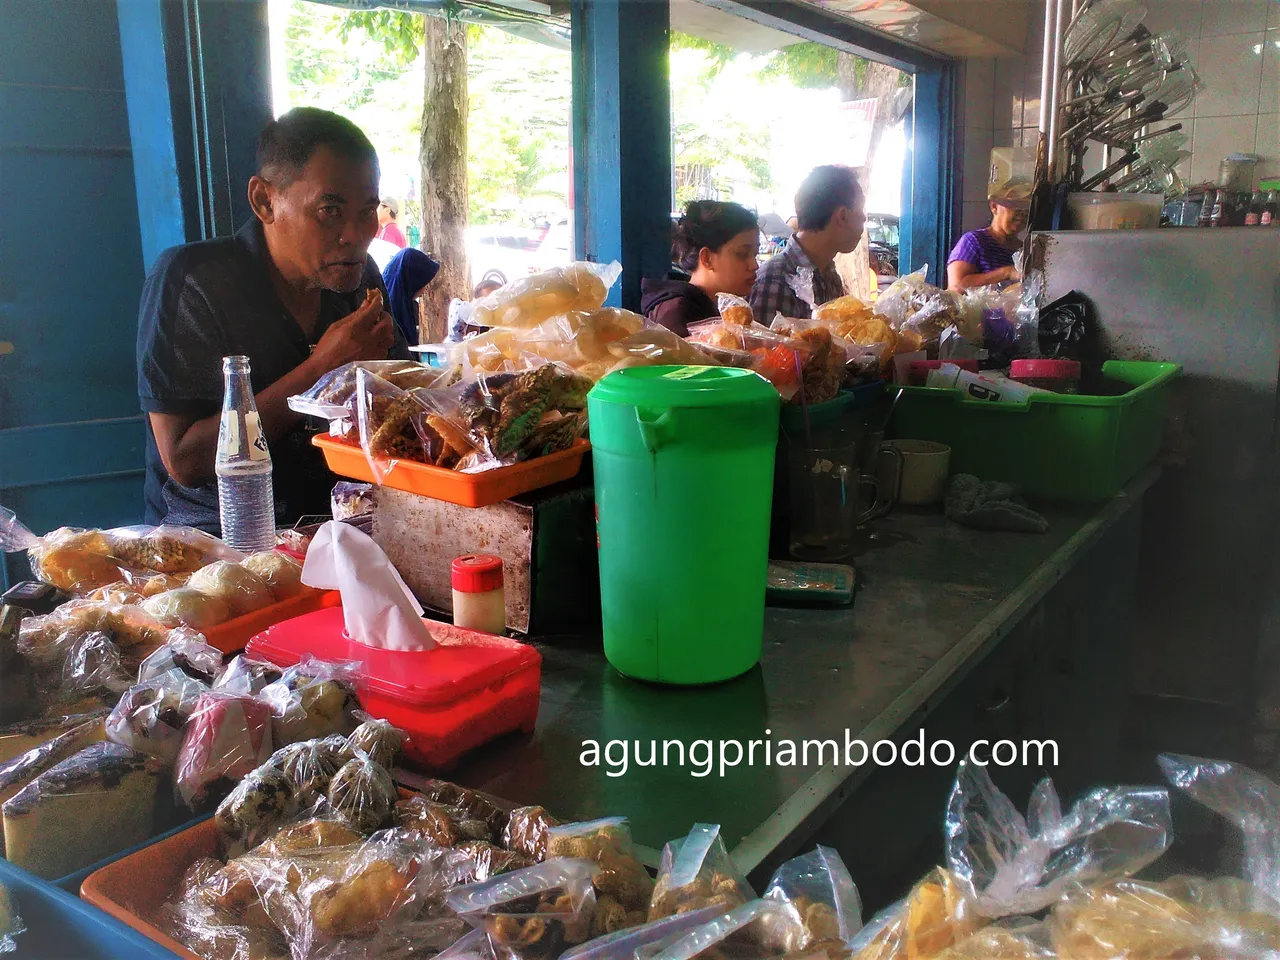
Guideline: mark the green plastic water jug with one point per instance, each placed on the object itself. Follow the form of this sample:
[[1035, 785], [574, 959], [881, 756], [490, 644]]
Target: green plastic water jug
[[684, 478]]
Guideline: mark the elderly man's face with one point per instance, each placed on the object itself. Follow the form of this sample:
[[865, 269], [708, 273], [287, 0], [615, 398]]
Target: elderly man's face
[[322, 223]]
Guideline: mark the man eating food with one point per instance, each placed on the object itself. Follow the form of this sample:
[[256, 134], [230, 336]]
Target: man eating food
[[294, 290]]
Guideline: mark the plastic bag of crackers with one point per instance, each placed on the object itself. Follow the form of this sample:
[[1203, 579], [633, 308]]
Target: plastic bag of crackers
[[623, 886], [697, 871]]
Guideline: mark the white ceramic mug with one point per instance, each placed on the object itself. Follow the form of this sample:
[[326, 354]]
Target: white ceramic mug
[[921, 473]]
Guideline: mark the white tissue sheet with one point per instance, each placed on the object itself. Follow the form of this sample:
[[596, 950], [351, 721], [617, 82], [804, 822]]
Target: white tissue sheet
[[377, 606]]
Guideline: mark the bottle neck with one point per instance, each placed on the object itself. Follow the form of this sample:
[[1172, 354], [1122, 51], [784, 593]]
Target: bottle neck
[[237, 391]]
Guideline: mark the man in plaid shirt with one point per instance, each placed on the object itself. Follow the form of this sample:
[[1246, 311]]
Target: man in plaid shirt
[[830, 215]]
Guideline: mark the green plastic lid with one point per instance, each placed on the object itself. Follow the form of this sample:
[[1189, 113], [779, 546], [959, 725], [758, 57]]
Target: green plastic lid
[[683, 387]]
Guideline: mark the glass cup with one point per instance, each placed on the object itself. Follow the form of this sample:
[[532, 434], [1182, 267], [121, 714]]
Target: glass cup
[[825, 488]]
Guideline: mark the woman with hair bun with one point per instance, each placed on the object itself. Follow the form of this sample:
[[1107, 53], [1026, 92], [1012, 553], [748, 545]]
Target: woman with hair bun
[[717, 244]]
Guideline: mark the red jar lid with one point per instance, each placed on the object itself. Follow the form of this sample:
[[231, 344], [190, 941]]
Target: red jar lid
[[476, 573], [1045, 370]]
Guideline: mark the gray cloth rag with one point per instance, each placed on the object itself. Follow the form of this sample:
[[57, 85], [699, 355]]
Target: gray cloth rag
[[990, 505]]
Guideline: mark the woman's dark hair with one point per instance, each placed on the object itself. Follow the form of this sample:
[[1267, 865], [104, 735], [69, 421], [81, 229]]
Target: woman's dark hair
[[288, 142], [824, 191], [710, 224]]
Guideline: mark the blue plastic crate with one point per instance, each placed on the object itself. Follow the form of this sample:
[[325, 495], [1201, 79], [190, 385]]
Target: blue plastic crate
[[62, 926]]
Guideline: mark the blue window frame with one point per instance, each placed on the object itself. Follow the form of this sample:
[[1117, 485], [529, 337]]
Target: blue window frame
[[622, 156]]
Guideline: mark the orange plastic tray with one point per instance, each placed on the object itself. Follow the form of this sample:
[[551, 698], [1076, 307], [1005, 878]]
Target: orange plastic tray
[[464, 489], [231, 637], [134, 888]]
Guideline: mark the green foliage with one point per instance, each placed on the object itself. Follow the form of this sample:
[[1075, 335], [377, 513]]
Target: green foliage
[[400, 33], [809, 66]]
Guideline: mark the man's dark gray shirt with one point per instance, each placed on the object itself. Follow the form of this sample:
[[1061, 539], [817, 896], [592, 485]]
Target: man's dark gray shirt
[[207, 300]]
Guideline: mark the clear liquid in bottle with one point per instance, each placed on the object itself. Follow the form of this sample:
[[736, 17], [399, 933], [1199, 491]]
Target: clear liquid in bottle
[[246, 504]]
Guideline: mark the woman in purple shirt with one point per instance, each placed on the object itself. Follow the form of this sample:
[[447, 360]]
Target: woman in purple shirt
[[983, 257]]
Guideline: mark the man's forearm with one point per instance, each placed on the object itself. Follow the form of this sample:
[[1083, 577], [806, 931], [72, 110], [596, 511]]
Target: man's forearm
[[190, 460], [971, 280]]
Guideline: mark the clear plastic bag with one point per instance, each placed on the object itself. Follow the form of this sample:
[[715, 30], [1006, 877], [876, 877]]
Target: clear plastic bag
[[656, 345], [315, 698], [475, 804], [380, 740], [1246, 799], [819, 888], [778, 359], [938, 312], [245, 677], [734, 310], [351, 500], [443, 824], [186, 607], [280, 572], [1015, 939], [78, 560], [528, 831], [530, 300], [473, 946], [310, 766], [1182, 917], [830, 362], [756, 930], [255, 810], [934, 917], [634, 941], [623, 886], [361, 795], [1010, 865], [226, 739], [697, 871], [904, 296], [152, 715], [93, 667], [531, 914], [234, 584], [383, 897], [580, 340], [330, 397], [25, 767], [186, 651], [48, 638]]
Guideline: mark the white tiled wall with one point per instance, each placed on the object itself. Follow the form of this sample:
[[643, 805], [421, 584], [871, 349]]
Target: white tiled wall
[[1233, 44]]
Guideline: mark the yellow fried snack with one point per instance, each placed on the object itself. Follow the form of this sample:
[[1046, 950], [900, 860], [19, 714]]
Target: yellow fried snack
[[934, 918], [531, 300], [842, 310], [1155, 921], [75, 560], [356, 905], [738, 315]]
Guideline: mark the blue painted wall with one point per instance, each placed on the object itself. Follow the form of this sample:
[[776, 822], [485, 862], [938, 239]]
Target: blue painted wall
[[71, 441]]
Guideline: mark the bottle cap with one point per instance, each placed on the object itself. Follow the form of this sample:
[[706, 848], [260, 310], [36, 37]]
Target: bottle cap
[[1044, 370], [476, 573]]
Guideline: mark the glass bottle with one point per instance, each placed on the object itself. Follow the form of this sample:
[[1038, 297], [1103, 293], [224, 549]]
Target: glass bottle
[[1221, 215], [1254, 217], [1271, 210], [246, 504]]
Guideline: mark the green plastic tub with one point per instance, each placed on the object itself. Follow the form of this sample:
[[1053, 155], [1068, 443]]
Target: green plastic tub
[[1055, 447]]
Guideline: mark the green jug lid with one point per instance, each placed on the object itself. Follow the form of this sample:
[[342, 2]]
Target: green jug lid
[[683, 387]]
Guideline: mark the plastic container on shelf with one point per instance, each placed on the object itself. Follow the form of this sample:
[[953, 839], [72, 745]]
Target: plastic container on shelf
[[60, 925], [230, 637], [684, 461], [1055, 447], [479, 599], [471, 688], [465, 489], [1060, 376], [1115, 211]]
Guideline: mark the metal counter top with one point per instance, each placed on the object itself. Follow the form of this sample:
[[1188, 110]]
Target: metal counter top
[[933, 599]]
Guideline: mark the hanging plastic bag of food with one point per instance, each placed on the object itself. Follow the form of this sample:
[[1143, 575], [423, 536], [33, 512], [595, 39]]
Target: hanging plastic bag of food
[[818, 888], [697, 871], [1008, 864], [623, 886], [314, 698], [330, 398], [734, 310], [533, 914], [530, 300], [152, 715]]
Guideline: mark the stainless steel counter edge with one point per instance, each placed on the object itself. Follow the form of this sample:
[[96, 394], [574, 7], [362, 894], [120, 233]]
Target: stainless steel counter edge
[[830, 785]]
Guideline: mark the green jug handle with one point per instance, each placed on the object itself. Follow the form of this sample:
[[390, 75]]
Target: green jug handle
[[655, 431]]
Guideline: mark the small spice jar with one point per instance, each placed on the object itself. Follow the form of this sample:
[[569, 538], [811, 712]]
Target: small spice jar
[[479, 601], [1060, 376]]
